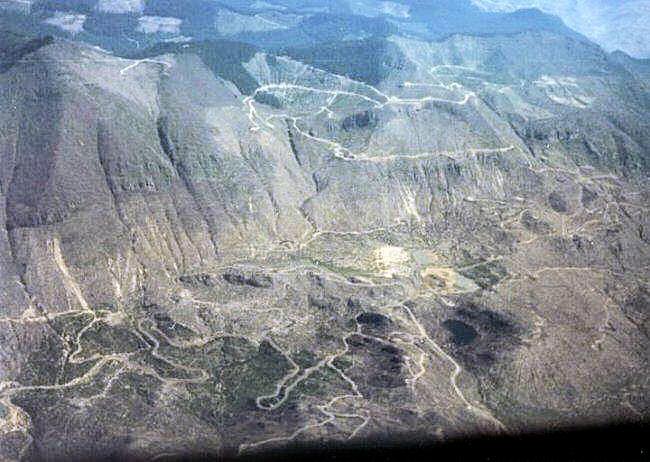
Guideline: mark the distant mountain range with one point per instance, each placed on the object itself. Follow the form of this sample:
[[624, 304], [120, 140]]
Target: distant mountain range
[[127, 25], [122, 24], [614, 24]]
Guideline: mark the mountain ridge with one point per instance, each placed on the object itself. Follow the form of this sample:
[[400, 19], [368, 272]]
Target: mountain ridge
[[210, 247]]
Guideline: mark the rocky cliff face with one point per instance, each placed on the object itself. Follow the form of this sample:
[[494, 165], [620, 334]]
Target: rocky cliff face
[[452, 242]]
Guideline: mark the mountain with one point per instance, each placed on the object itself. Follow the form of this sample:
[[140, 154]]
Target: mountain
[[229, 245], [125, 26], [600, 20]]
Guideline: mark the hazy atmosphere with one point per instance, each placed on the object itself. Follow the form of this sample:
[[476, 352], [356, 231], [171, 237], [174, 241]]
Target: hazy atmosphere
[[614, 24]]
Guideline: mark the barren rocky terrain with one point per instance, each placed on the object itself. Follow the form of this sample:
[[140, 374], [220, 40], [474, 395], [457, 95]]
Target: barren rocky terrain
[[215, 248]]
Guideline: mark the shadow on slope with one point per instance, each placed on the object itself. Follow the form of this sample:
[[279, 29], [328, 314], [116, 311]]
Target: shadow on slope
[[223, 57], [13, 47], [619, 442]]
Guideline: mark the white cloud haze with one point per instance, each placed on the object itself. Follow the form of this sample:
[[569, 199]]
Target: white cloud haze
[[73, 23], [121, 6], [156, 24]]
